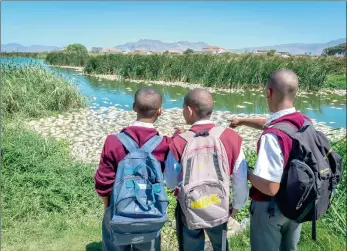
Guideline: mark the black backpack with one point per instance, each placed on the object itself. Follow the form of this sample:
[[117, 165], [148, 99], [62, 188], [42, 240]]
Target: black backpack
[[310, 176]]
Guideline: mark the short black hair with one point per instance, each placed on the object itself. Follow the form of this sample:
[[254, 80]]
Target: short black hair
[[147, 101], [201, 101]]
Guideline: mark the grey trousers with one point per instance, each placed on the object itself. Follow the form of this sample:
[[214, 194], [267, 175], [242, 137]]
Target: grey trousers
[[108, 245], [194, 240], [272, 233]]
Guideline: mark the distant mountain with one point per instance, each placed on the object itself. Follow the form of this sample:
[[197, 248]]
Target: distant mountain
[[158, 46], [297, 48], [14, 47]]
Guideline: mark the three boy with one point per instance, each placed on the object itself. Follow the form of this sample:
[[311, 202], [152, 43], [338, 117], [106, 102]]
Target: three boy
[[267, 233]]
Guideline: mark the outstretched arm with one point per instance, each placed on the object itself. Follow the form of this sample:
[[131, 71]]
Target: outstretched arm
[[254, 123]]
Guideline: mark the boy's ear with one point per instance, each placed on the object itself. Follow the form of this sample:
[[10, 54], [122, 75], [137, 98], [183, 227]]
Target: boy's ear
[[190, 110], [160, 111], [134, 107]]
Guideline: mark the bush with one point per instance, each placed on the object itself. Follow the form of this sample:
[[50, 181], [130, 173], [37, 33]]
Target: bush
[[66, 58], [31, 91]]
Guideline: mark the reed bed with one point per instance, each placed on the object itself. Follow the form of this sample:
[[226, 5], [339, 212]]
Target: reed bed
[[65, 58], [35, 55], [249, 71], [32, 91]]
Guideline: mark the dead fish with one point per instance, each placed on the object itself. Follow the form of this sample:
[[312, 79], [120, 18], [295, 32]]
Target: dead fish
[[240, 106]]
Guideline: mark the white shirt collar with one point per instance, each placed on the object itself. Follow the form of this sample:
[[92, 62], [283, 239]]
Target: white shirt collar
[[142, 124], [279, 114], [203, 122]]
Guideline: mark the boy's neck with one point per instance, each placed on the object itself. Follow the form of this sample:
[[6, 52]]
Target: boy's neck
[[146, 120]]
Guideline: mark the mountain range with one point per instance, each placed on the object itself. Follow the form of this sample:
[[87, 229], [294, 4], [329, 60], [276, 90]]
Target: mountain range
[[159, 46], [14, 47], [297, 48]]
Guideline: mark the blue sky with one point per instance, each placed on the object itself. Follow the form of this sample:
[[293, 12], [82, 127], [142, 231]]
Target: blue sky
[[231, 25]]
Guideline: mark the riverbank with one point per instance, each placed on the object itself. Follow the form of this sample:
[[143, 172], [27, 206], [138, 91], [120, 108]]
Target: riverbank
[[113, 77], [217, 71], [86, 129]]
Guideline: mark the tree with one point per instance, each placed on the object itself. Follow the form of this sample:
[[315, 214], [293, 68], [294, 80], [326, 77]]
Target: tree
[[335, 50], [76, 48], [271, 53], [188, 51]]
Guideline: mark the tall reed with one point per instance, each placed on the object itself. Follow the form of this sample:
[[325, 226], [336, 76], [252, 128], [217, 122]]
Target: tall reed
[[246, 71]]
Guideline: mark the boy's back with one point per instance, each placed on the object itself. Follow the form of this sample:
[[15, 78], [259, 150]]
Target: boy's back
[[198, 106], [147, 105]]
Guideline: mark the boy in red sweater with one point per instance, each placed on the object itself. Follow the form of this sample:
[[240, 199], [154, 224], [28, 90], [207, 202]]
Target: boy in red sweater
[[148, 106]]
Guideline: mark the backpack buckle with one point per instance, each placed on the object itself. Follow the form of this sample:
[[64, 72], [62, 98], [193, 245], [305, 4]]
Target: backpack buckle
[[203, 134]]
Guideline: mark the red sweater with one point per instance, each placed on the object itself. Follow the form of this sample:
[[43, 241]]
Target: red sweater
[[285, 142], [113, 152], [229, 138]]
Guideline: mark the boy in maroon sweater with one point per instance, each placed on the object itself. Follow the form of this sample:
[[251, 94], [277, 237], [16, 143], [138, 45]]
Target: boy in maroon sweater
[[148, 106], [197, 109], [271, 232]]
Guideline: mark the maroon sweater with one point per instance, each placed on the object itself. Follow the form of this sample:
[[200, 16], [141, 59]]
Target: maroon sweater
[[229, 138], [285, 142], [113, 152]]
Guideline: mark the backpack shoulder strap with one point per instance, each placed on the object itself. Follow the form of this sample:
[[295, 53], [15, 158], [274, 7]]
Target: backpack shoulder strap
[[127, 141], [152, 143], [217, 131], [287, 128], [187, 136]]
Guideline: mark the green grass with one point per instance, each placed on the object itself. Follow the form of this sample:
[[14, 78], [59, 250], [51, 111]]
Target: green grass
[[35, 55], [336, 82], [31, 91], [66, 59], [48, 198]]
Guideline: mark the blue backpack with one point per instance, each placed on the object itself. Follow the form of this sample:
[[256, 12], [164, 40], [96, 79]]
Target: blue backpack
[[139, 201]]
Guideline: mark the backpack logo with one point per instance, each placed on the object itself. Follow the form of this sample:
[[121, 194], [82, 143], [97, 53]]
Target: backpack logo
[[204, 192], [205, 202]]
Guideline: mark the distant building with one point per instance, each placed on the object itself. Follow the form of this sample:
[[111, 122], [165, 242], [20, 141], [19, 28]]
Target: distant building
[[283, 54], [139, 51], [96, 49], [223, 51], [110, 50], [261, 52], [212, 49], [173, 51]]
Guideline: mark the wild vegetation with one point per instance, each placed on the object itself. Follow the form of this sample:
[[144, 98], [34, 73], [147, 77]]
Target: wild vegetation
[[215, 70], [31, 91], [72, 55], [335, 50], [36, 55]]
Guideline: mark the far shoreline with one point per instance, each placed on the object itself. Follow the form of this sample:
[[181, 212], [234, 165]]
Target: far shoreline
[[113, 77]]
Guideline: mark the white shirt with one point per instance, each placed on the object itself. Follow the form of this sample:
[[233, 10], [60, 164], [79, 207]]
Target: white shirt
[[142, 124], [239, 183], [270, 159]]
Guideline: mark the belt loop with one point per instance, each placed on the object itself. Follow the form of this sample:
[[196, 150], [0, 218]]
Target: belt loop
[[271, 208]]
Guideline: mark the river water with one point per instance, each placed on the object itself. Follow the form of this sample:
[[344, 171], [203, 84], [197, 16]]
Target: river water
[[327, 108]]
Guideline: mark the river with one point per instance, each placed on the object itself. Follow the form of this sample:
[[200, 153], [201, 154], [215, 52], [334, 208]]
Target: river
[[327, 108]]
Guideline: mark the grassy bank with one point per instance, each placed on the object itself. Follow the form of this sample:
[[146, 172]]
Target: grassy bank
[[46, 197], [35, 55], [66, 58], [336, 81], [31, 91], [213, 70]]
